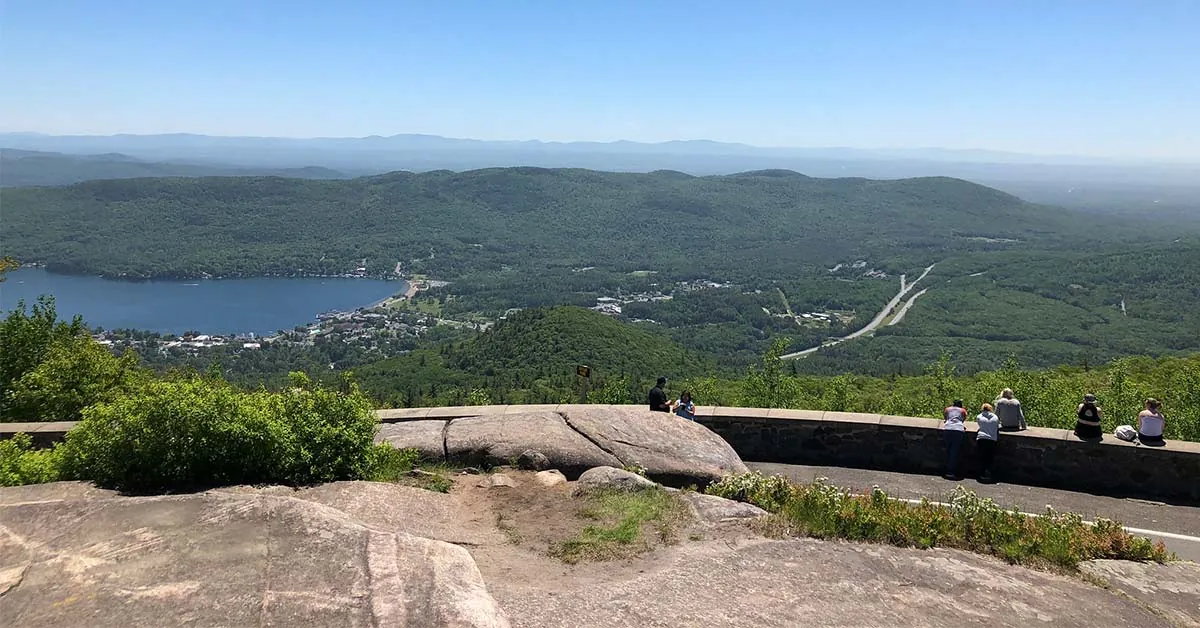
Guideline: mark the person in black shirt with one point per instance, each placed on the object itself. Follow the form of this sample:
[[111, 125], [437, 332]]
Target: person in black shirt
[[658, 398]]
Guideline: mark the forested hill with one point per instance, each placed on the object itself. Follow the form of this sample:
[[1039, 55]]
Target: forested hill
[[531, 358], [27, 167], [760, 224]]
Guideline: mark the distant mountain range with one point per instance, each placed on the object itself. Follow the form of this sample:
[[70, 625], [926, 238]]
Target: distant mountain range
[[25, 167]]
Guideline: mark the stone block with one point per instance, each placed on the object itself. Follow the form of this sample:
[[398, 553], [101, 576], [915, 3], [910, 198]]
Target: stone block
[[909, 421], [852, 417], [788, 414], [528, 408], [401, 414], [459, 412]]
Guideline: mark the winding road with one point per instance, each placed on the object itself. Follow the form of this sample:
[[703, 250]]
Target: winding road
[[905, 288]]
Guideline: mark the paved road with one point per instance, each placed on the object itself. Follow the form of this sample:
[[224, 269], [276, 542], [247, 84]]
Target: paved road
[[1177, 526], [904, 310], [905, 287]]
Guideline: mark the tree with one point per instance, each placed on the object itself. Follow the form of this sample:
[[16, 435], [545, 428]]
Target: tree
[[73, 375], [767, 386], [25, 339]]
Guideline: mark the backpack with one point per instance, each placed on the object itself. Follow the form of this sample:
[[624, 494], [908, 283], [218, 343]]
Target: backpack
[[1088, 413], [1125, 432]]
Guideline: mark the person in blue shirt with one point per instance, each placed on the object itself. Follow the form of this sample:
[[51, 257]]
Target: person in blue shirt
[[684, 406]]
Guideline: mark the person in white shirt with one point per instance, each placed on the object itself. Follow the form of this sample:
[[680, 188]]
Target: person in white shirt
[[1151, 423]]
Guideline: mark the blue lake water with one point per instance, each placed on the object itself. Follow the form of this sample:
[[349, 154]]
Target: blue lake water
[[215, 306]]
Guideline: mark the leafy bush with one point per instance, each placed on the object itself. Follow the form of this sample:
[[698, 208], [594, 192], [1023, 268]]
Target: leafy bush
[[385, 463], [200, 432], [769, 492], [969, 522], [21, 464], [25, 339], [74, 374]]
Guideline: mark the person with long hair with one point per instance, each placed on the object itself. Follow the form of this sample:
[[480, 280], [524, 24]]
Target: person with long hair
[[684, 406]]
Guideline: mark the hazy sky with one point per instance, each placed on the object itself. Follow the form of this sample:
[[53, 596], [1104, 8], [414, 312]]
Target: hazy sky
[[1090, 77]]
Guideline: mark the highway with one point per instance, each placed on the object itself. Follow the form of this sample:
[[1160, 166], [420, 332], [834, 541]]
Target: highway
[[904, 310], [905, 288]]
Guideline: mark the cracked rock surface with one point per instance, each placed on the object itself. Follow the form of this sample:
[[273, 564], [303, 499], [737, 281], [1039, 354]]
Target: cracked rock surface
[[671, 450]]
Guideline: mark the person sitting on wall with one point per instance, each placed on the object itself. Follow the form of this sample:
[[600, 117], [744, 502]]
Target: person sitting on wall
[[658, 398], [986, 441], [1008, 408], [1151, 423], [955, 431], [684, 406], [1087, 418]]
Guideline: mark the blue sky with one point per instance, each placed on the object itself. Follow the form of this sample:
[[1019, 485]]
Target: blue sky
[[1050, 76]]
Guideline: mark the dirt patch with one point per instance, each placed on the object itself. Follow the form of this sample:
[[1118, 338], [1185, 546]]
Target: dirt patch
[[534, 520], [531, 516]]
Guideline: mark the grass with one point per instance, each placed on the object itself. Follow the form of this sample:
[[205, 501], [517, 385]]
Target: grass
[[1053, 540], [627, 523], [429, 305]]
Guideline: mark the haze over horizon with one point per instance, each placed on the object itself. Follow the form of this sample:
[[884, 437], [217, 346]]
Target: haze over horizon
[[1094, 79]]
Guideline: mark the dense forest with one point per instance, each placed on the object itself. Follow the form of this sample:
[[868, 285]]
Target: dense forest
[[1048, 285], [755, 225]]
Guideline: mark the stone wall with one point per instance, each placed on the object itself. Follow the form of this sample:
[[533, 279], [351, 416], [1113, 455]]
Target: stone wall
[[1037, 456]]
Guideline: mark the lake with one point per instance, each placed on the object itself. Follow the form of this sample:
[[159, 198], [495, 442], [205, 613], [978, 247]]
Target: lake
[[214, 306]]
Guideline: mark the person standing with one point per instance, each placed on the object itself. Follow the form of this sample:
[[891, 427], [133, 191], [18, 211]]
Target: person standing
[[986, 441], [954, 431], [1008, 408], [658, 398], [1151, 423], [1087, 418]]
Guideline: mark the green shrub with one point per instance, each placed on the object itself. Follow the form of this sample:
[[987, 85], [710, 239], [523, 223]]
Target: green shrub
[[770, 493], [199, 432], [25, 339], [21, 464], [385, 463], [969, 522], [73, 374]]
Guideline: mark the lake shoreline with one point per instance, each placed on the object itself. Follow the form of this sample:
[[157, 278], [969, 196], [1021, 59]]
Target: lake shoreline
[[259, 305], [201, 276]]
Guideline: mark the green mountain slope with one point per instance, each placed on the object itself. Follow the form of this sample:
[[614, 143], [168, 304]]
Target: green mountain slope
[[531, 357], [551, 341], [1046, 307], [755, 224]]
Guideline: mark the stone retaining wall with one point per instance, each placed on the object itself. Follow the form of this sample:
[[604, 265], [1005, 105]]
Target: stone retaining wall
[[1037, 456]]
